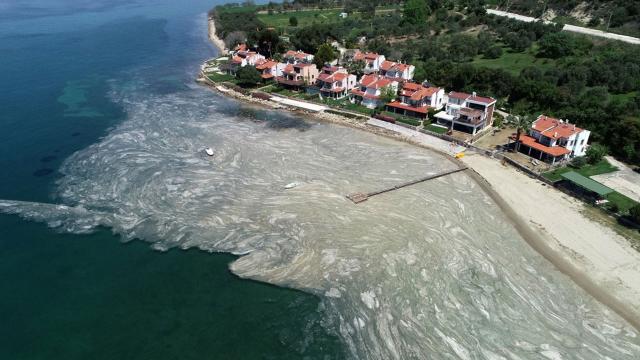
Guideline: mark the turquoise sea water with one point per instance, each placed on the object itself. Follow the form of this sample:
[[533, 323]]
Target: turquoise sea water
[[66, 296]]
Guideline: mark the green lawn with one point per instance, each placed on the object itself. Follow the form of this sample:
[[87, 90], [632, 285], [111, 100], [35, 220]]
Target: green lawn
[[221, 77], [588, 170], [347, 105], [622, 202], [305, 18], [435, 129], [514, 62]]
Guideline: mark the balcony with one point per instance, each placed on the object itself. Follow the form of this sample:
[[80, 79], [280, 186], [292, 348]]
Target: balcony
[[290, 82]]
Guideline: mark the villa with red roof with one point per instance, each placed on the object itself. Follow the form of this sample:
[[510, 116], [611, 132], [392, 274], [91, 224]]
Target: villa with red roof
[[372, 61], [335, 82], [467, 112], [295, 57], [296, 76], [399, 71], [370, 88], [270, 69], [243, 58], [416, 99], [554, 140]]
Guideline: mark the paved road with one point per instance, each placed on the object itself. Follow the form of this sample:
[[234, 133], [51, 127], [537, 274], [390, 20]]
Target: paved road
[[571, 28]]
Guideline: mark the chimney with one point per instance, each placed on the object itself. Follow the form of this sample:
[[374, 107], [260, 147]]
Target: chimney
[[473, 94], [555, 134]]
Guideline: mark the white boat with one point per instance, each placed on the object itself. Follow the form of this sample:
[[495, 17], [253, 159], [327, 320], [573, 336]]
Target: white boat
[[291, 185], [209, 151]]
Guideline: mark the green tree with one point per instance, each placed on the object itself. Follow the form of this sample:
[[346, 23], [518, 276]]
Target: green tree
[[248, 76], [493, 52], [325, 54], [387, 95], [293, 21], [415, 11], [522, 124], [595, 153], [555, 45]]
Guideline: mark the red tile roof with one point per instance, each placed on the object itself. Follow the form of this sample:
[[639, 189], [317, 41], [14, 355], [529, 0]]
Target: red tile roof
[[459, 95], [551, 150], [399, 105], [340, 76], [553, 128], [267, 64], [387, 65], [482, 99]]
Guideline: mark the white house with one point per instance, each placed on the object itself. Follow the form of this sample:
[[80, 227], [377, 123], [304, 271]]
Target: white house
[[335, 82], [554, 140], [270, 69], [467, 112], [396, 70], [295, 57], [368, 91], [243, 58], [416, 99], [372, 61]]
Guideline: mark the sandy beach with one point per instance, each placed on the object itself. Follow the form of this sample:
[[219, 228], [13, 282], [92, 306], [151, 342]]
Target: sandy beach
[[593, 255], [219, 43]]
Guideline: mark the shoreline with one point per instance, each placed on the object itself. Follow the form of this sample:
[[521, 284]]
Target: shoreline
[[592, 255], [213, 37]]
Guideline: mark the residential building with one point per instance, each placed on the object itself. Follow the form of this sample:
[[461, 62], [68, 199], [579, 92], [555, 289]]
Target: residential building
[[370, 88], [270, 69], [335, 82], [243, 58], [296, 76], [398, 71], [372, 61], [295, 57], [467, 112], [554, 140], [416, 99]]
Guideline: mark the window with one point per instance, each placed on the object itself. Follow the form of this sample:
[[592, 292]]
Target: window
[[581, 141]]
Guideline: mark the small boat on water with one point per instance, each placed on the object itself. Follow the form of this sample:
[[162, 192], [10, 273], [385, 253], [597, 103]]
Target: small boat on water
[[209, 151], [291, 185]]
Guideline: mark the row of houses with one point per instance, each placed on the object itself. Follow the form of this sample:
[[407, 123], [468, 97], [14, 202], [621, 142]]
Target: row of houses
[[549, 139]]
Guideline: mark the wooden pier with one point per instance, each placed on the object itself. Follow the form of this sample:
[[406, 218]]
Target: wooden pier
[[361, 197]]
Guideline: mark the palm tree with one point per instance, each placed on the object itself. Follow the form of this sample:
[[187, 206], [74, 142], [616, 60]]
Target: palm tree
[[522, 124]]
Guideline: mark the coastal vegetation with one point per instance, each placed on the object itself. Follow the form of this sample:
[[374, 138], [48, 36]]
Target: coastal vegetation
[[530, 67]]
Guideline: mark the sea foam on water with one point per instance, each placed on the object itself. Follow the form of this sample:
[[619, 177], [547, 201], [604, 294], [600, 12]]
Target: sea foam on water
[[430, 271]]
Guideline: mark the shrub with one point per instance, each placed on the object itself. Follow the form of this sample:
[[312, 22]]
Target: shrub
[[578, 162], [293, 21], [248, 76], [498, 120], [493, 52], [595, 153], [634, 212]]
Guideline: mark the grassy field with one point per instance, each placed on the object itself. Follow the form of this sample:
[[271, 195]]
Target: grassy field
[[622, 202], [588, 170], [221, 77], [435, 129], [305, 18], [514, 62]]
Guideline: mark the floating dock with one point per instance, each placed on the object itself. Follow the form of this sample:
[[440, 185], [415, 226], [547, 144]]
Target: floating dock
[[361, 197]]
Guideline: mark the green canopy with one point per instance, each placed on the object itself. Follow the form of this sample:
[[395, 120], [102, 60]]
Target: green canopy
[[586, 183]]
